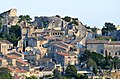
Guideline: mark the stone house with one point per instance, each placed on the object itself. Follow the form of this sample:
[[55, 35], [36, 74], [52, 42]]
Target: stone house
[[11, 59], [38, 43], [5, 46], [32, 56], [65, 58], [111, 48], [3, 62]]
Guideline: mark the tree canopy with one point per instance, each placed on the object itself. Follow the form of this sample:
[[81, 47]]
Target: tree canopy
[[71, 71], [95, 59], [32, 77], [108, 27], [13, 36], [67, 18], [5, 73], [25, 18]]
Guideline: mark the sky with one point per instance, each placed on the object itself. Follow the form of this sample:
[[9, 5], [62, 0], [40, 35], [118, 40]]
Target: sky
[[89, 12]]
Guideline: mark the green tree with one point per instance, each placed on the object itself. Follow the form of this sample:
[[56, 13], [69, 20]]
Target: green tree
[[71, 71], [56, 73], [0, 24], [80, 76], [67, 18], [116, 62], [91, 63], [108, 27], [75, 22], [5, 73], [25, 18], [32, 77], [58, 16], [13, 36], [95, 70]]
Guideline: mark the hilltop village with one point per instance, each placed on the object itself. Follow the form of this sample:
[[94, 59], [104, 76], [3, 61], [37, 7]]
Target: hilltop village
[[54, 47]]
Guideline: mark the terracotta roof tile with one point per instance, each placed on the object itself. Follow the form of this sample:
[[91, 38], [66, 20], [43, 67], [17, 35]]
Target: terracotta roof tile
[[60, 46], [12, 56], [2, 59], [63, 53], [22, 62]]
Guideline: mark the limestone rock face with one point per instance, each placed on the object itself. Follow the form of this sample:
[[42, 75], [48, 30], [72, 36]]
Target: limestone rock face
[[9, 17], [59, 23], [48, 22], [9, 13]]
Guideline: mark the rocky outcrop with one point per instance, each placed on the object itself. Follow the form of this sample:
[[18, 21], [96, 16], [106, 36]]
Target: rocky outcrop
[[53, 22]]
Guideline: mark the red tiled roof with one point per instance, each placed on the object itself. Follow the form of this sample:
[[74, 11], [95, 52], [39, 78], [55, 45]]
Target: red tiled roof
[[20, 71], [60, 46], [63, 53], [48, 37], [66, 44], [22, 62], [12, 56], [16, 70], [97, 41], [2, 59]]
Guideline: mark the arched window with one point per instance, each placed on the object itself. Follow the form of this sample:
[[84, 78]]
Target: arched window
[[109, 53]]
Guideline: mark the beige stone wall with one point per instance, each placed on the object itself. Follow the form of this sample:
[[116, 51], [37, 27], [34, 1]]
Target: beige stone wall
[[14, 62], [4, 63], [24, 32], [41, 42], [95, 47], [71, 60], [43, 51], [4, 47]]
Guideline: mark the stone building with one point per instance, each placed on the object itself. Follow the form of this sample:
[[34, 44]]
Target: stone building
[[65, 58], [5, 46], [111, 48]]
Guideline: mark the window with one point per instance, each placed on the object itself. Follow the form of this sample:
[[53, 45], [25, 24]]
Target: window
[[60, 33], [55, 33], [105, 51], [75, 62], [102, 51], [9, 46], [68, 62], [109, 53], [119, 53], [115, 53], [75, 57]]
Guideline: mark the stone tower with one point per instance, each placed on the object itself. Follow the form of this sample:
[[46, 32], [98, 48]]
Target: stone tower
[[13, 12]]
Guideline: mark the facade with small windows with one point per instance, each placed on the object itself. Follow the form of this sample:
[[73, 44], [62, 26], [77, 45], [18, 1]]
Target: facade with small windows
[[65, 58], [5, 46], [111, 48], [56, 32], [97, 46], [3, 62]]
